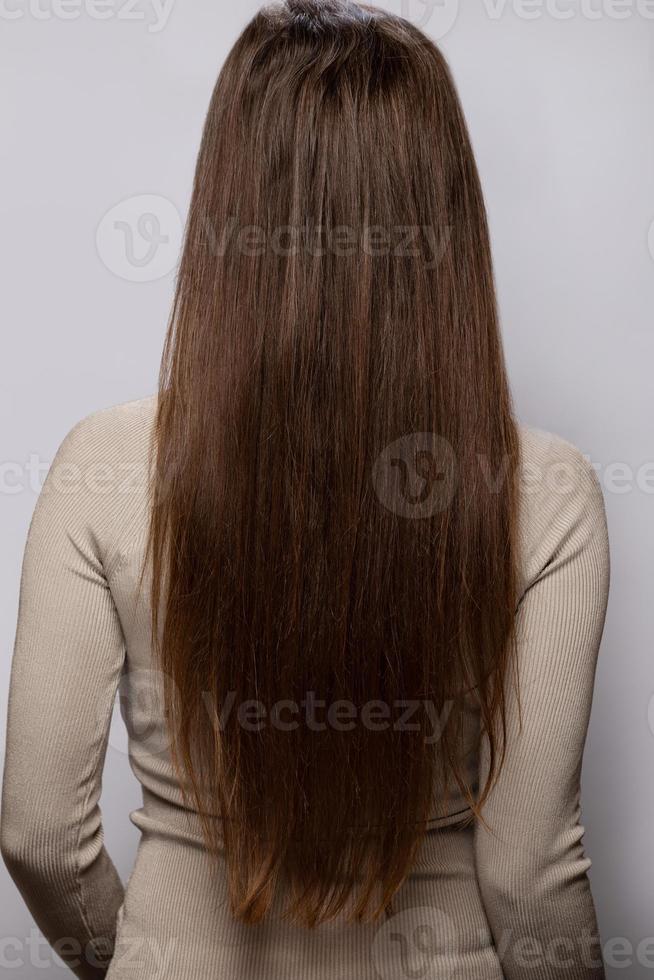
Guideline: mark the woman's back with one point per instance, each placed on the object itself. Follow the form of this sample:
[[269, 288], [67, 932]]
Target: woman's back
[[358, 667], [510, 899]]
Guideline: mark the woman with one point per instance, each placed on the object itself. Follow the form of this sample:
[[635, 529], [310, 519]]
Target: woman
[[353, 607]]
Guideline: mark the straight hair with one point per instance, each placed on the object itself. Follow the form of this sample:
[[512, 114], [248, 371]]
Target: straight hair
[[332, 400]]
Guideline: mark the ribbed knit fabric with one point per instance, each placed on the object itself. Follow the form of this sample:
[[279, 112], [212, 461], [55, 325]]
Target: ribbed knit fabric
[[510, 899]]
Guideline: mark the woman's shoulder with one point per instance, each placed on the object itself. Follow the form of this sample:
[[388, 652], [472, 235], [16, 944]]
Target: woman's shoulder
[[552, 468], [96, 487], [108, 441], [542, 446], [561, 502], [117, 426]]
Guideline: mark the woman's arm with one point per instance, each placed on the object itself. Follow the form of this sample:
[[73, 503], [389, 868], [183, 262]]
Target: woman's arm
[[68, 657], [531, 864]]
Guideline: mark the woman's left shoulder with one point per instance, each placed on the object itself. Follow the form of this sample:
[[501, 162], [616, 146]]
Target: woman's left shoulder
[[561, 501]]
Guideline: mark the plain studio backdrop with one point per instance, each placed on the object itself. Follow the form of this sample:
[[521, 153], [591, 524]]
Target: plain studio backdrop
[[101, 108]]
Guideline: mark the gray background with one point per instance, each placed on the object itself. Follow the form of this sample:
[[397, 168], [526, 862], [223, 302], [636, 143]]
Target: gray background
[[101, 105]]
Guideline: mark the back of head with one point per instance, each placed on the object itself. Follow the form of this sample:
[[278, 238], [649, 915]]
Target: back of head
[[333, 407]]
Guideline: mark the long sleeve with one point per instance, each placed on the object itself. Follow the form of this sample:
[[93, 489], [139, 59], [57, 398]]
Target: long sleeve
[[531, 865], [68, 656]]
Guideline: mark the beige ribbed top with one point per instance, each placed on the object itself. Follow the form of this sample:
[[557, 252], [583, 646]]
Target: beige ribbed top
[[508, 901]]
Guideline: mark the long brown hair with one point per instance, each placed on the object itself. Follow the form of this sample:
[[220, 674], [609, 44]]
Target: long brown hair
[[332, 406]]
